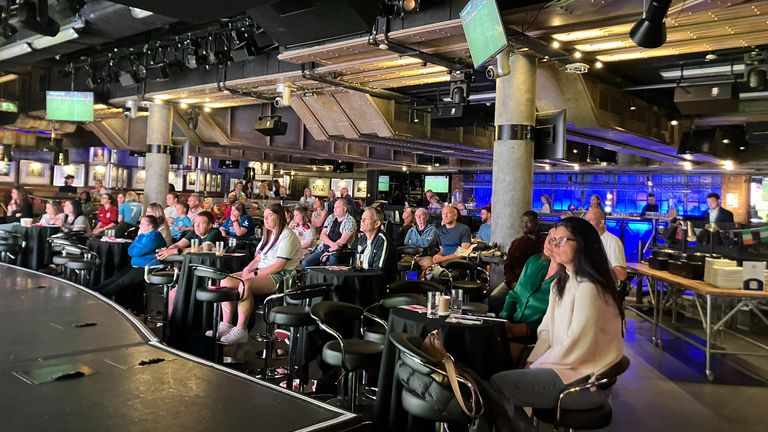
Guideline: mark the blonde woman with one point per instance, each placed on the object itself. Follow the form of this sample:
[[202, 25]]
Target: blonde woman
[[156, 210]]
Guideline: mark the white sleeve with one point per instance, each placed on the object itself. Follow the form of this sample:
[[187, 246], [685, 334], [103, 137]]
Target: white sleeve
[[616, 253], [287, 245]]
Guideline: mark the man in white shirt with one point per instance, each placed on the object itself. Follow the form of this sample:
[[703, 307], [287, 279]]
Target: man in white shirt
[[612, 244]]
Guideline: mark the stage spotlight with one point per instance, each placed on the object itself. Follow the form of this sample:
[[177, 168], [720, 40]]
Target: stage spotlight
[[651, 31]]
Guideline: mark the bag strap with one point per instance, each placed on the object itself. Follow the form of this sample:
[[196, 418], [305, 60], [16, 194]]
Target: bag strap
[[450, 370]]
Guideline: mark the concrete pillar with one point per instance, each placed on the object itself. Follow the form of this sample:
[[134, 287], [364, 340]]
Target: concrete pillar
[[512, 151], [157, 161]]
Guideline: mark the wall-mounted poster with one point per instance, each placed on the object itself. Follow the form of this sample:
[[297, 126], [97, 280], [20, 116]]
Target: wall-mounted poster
[[337, 184], [123, 181], [8, 171], [319, 186], [97, 172], [114, 177], [209, 183], [138, 177], [361, 189], [191, 182], [34, 173], [99, 155], [77, 170], [176, 178]]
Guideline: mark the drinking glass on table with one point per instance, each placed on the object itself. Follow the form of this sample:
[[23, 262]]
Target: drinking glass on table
[[195, 246], [433, 297], [219, 248]]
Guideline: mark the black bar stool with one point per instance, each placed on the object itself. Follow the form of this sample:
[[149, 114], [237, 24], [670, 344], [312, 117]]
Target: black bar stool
[[294, 314], [11, 247], [215, 295], [164, 276]]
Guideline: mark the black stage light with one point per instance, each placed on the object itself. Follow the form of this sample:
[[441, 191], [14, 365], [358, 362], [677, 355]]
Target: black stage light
[[651, 31]]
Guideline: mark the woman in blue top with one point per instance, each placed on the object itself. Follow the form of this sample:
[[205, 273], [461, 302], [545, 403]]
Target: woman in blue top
[[239, 224], [142, 252]]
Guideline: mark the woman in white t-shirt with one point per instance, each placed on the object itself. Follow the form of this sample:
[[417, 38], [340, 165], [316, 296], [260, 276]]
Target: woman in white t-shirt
[[277, 257]]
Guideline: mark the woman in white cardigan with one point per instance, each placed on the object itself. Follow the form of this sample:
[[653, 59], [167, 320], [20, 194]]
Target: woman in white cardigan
[[580, 335]]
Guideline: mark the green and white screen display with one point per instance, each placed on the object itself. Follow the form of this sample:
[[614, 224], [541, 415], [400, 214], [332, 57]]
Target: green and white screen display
[[438, 184], [483, 29], [383, 183], [69, 106]]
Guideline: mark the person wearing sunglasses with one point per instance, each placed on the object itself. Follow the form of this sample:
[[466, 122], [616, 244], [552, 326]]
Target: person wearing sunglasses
[[579, 336]]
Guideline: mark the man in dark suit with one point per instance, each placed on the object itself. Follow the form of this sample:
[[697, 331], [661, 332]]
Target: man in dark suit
[[716, 214]]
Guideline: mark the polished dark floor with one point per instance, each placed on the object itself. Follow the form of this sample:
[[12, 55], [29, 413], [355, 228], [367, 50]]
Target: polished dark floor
[[665, 389]]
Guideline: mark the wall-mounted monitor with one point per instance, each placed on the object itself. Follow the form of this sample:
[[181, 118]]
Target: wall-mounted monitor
[[483, 29], [549, 136], [69, 106], [438, 183], [383, 185], [229, 164]]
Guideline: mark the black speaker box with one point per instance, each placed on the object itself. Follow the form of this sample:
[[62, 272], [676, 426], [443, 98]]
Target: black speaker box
[[298, 22], [271, 126], [707, 99]]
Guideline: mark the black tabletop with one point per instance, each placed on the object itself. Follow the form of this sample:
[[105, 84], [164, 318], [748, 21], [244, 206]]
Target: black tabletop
[[360, 287], [113, 256], [482, 348], [37, 252], [188, 321]]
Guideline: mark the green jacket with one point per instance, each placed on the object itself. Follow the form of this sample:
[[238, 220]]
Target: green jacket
[[528, 301]]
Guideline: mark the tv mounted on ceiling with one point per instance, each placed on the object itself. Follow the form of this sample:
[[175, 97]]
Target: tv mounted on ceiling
[[69, 106], [484, 30]]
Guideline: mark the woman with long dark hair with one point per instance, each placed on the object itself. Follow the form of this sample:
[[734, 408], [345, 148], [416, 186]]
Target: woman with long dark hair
[[74, 219], [580, 334], [277, 257], [20, 206]]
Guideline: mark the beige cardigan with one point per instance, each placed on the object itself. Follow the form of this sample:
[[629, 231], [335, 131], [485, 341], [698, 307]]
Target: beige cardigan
[[580, 333]]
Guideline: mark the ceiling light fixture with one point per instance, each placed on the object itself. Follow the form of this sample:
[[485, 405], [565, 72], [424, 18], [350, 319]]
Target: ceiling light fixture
[[651, 31], [598, 65], [632, 106], [674, 122], [555, 44]]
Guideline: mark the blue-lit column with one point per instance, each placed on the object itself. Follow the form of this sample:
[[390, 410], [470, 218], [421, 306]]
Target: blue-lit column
[[512, 150], [157, 162]]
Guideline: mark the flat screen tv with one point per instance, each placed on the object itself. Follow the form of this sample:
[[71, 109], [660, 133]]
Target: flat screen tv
[[383, 183], [229, 164], [483, 29], [69, 106], [438, 183], [549, 136]]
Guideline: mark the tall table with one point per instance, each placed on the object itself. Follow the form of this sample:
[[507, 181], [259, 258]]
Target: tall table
[[113, 256], [746, 299], [482, 348], [37, 252], [360, 287], [188, 322]]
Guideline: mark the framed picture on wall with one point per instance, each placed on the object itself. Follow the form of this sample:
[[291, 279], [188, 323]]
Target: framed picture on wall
[[337, 184], [99, 155], [138, 178], [319, 186], [114, 176], [97, 172], [176, 178], [361, 189], [34, 173], [77, 170], [8, 171], [209, 183], [191, 182], [123, 177]]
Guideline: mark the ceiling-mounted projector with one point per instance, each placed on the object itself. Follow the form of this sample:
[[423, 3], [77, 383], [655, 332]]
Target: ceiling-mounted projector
[[271, 125]]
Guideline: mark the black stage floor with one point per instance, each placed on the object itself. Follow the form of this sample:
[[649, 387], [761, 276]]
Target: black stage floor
[[71, 360]]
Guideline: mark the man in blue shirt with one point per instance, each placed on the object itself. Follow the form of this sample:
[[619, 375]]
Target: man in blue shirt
[[452, 234], [484, 234]]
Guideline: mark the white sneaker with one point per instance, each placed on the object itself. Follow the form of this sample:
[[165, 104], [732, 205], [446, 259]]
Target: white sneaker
[[235, 336], [224, 329]]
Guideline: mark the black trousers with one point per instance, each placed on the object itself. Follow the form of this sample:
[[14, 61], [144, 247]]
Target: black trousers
[[126, 278]]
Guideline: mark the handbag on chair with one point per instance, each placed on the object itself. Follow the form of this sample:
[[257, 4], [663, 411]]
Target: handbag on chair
[[433, 347]]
